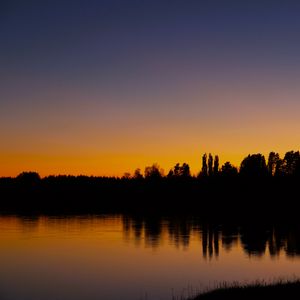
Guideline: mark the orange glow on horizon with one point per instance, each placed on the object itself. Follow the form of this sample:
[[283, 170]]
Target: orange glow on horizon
[[106, 164], [110, 140]]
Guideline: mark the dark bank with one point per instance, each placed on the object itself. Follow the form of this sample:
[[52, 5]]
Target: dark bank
[[280, 290], [258, 190]]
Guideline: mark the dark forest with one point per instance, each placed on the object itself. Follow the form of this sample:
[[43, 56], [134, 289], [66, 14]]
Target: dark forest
[[259, 188]]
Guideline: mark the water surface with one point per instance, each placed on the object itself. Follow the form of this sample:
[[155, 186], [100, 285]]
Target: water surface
[[118, 257]]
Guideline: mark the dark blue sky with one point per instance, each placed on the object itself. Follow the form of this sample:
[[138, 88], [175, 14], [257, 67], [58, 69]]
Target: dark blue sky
[[82, 39], [163, 67]]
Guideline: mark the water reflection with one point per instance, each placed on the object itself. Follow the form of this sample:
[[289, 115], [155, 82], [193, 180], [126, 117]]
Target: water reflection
[[87, 257], [255, 239]]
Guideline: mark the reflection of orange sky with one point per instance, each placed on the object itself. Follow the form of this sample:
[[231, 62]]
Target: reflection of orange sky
[[100, 246], [76, 254]]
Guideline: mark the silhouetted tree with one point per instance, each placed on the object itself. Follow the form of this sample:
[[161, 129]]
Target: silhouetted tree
[[137, 174], [177, 170], [204, 165], [180, 171], [210, 165], [126, 175], [29, 178], [291, 163], [279, 168], [170, 174], [216, 165], [228, 170], [273, 162], [153, 172], [254, 166], [185, 170]]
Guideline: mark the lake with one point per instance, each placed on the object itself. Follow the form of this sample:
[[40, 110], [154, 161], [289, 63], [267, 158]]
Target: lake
[[115, 257]]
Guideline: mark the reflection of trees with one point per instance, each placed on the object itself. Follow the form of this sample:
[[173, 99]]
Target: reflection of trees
[[277, 241], [255, 240], [292, 245], [210, 240], [229, 236], [179, 232], [139, 228], [153, 231]]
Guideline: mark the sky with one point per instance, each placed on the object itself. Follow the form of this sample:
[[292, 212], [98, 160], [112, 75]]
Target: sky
[[104, 87]]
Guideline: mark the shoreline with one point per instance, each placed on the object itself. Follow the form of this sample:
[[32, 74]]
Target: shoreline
[[254, 290]]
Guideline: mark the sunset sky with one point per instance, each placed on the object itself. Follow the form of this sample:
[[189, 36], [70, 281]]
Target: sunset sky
[[104, 87]]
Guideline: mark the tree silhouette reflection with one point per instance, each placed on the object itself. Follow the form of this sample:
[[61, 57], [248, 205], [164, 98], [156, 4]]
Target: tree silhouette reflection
[[255, 239]]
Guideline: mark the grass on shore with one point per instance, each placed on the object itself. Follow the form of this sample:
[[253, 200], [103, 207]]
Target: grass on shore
[[257, 290]]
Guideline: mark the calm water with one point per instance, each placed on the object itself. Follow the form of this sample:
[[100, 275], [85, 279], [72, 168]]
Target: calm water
[[115, 257]]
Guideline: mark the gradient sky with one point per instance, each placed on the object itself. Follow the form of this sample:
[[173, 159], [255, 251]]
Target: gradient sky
[[104, 87]]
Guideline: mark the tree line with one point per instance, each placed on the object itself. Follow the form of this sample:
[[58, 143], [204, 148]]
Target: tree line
[[220, 192], [254, 165]]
